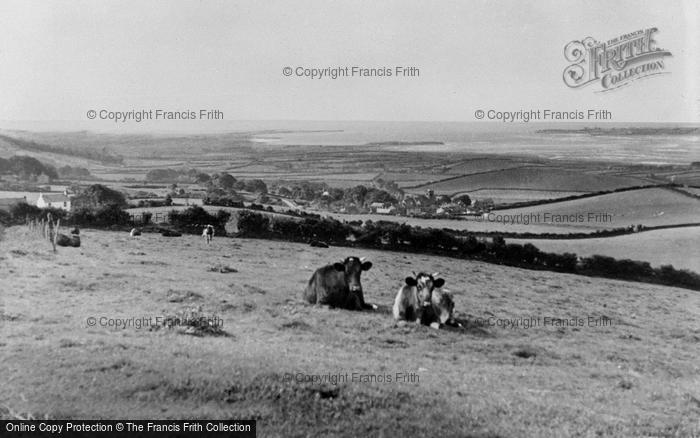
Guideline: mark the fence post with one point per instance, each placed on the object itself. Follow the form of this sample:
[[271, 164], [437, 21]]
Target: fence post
[[55, 234]]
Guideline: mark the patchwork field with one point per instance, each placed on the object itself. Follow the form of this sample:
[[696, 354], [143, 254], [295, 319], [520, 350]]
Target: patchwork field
[[679, 247], [533, 178], [479, 165], [650, 207], [634, 376], [506, 196]]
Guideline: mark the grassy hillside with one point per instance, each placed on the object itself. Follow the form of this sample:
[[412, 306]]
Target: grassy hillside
[[650, 207], [679, 247], [636, 376], [534, 178]]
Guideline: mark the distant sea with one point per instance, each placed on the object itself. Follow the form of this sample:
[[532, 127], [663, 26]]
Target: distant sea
[[486, 137]]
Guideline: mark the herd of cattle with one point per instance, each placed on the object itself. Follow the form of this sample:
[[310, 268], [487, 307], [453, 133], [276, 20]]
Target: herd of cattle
[[421, 299]]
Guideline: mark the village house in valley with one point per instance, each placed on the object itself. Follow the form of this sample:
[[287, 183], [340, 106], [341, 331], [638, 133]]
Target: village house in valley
[[54, 200]]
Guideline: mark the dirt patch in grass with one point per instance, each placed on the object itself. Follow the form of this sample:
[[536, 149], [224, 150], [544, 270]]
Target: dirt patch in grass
[[223, 269], [296, 325], [181, 296], [192, 322]]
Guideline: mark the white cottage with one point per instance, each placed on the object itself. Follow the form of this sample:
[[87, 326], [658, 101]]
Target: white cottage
[[53, 200]]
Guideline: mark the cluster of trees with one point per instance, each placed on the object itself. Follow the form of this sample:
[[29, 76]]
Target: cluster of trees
[[103, 216], [73, 172], [359, 196], [194, 218], [26, 168], [98, 195], [222, 187], [402, 237], [219, 184], [388, 185]]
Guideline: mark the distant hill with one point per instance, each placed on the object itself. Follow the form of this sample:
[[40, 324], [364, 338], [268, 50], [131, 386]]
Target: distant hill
[[102, 156], [623, 131]]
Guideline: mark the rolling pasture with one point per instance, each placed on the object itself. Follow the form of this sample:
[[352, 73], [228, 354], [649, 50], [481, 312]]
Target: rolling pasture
[[533, 178], [636, 376], [679, 247], [650, 207]]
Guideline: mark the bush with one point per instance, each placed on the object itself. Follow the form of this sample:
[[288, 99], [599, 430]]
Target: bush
[[253, 224], [21, 211], [110, 215], [83, 217], [98, 195], [195, 217]]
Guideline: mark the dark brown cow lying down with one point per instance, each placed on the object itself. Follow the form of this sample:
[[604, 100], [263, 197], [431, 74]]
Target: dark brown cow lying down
[[63, 240], [338, 285]]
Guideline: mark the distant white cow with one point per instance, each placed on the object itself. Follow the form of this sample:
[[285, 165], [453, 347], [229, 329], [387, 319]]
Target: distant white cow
[[135, 232], [208, 233]]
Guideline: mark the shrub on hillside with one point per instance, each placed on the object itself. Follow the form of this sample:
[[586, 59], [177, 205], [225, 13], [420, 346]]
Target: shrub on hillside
[[253, 224], [97, 195], [195, 217], [110, 215], [23, 210]]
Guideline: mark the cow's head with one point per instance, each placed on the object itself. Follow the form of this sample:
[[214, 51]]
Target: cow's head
[[353, 267], [425, 283]]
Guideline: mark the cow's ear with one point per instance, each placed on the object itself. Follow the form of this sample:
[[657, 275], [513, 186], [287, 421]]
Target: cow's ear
[[340, 267], [366, 266], [439, 282], [411, 281]]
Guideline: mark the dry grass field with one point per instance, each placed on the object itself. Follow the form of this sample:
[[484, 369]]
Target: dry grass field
[[634, 376], [507, 196], [534, 178], [679, 247], [650, 207]]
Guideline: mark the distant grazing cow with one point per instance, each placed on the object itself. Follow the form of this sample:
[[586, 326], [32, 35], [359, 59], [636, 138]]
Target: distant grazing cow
[[338, 285], [135, 232], [208, 233], [414, 297]]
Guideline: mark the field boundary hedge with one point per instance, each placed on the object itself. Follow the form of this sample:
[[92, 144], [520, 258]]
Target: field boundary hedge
[[382, 235], [401, 237]]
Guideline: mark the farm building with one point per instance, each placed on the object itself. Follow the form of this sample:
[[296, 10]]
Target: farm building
[[382, 208], [53, 200]]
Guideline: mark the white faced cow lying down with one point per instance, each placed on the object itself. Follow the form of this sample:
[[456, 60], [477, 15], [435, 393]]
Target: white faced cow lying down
[[414, 296], [422, 300], [338, 285]]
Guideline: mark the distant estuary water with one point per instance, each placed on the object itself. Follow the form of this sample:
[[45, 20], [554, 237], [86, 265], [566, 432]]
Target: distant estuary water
[[454, 137], [496, 139]]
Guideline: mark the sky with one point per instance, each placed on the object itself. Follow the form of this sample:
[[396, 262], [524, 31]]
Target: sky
[[60, 59]]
